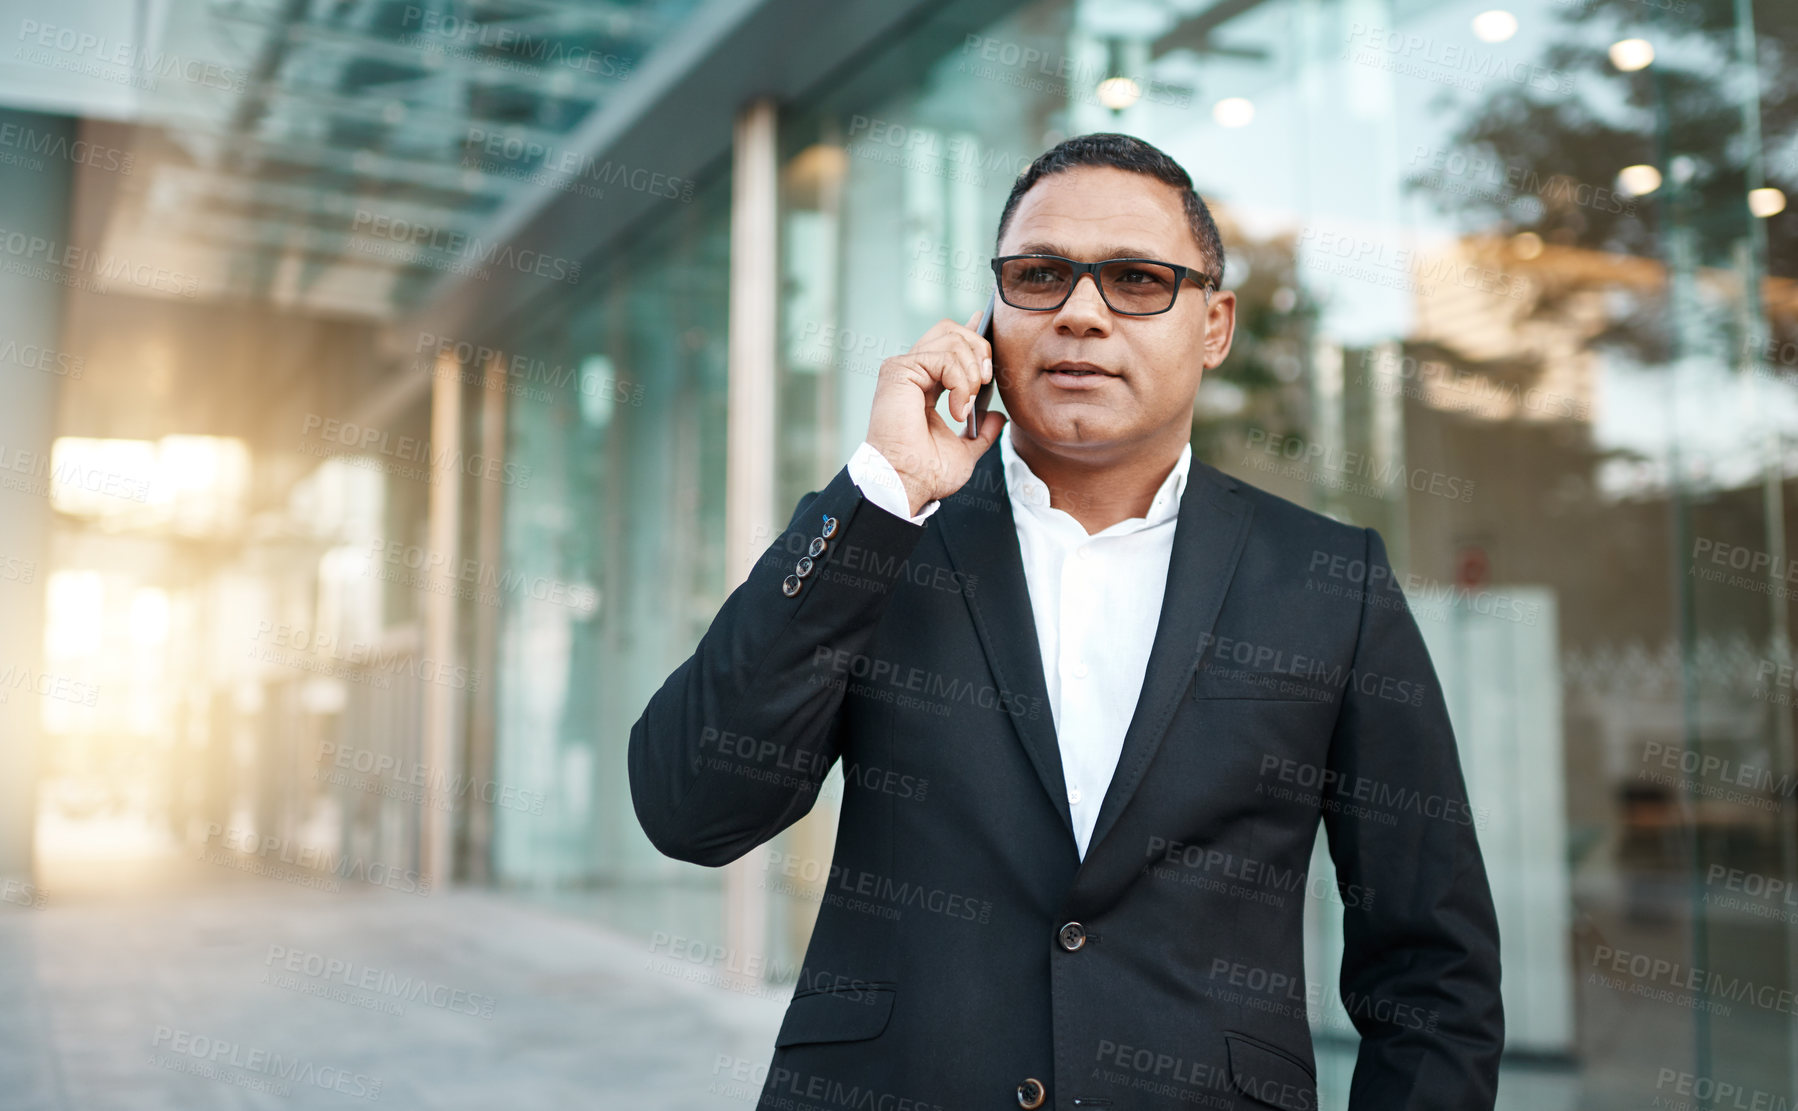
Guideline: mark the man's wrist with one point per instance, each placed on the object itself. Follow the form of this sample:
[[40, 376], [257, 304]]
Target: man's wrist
[[873, 472]]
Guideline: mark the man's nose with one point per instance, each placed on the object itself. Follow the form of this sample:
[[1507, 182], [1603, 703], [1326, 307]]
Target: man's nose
[[1085, 311]]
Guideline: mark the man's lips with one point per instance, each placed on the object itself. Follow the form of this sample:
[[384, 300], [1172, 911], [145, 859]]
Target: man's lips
[[1078, 376]]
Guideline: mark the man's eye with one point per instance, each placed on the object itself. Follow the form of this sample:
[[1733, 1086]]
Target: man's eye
[[1040, 275], [1136, 276]]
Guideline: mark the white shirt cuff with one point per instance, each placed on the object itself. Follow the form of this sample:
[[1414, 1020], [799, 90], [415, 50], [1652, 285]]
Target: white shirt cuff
[[874, 475]]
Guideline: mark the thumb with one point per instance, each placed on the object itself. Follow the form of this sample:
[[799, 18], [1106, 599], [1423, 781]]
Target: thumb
[[990, 427]]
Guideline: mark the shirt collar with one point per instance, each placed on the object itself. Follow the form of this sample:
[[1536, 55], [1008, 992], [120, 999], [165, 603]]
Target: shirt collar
[[1025, 488]]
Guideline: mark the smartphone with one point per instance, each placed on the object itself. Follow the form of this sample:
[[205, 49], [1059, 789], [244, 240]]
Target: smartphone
[[982, 398]]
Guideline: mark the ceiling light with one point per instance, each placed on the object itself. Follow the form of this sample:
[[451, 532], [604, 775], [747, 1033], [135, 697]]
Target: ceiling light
[[1630, 55], [1233, 111], [1766, 201], [1638, 181], [1496, 25], [1119, 93]]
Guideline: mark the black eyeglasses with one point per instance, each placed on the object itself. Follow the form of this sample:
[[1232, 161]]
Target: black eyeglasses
[[1130, 286]]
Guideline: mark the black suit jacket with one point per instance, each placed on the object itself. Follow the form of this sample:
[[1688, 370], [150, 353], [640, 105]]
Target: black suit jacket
[[964, 956]]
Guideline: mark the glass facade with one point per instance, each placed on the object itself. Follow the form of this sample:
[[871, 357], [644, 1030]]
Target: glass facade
[[618, 411], [1506, 293]]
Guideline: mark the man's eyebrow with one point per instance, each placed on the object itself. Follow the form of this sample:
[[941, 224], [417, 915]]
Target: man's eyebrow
[[1040, 248]]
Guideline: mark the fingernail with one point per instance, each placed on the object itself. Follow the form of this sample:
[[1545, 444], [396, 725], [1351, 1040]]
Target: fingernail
[[986, 370]]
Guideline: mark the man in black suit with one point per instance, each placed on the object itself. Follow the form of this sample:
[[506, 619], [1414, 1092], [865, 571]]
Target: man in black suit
[[1091, 698]]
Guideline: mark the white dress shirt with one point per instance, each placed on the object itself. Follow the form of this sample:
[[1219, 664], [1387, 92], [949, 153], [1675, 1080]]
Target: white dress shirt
[[1096, 599]]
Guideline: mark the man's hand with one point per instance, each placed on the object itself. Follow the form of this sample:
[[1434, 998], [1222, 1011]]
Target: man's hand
[[932, 457]]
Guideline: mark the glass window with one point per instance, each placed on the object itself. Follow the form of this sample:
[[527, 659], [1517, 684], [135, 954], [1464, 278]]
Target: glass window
[[1515, 289]]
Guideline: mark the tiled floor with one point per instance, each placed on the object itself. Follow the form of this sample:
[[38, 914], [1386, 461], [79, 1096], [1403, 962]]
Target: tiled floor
[[165, 983], [208, 991]]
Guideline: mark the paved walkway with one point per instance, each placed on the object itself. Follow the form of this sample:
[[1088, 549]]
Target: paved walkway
[[190, 991]]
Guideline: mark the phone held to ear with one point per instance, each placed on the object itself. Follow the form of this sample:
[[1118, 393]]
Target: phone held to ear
[[983, 397]]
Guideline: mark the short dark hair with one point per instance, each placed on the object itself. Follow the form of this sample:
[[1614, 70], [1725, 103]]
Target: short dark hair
[[1123, 152]]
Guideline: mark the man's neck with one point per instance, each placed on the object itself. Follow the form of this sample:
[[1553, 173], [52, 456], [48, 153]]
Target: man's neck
[[1100, 492]]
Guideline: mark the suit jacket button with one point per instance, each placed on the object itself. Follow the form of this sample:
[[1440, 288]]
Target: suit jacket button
[[830, 527], [1072, 936], [817, 548], [803, 567], [790, 587], [1031, 1094]]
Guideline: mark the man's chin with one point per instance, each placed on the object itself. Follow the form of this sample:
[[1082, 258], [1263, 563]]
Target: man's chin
[[1070, 428]]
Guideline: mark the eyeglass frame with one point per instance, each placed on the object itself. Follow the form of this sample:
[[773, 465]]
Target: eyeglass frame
[[1205, 281]]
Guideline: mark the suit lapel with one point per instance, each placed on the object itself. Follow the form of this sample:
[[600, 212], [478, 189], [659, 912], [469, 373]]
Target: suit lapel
[[1208, 540], [982, 540]]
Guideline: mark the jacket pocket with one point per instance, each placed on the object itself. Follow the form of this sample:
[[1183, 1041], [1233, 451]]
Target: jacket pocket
[[846, 1015], [1221, 681], [1269, 1075]]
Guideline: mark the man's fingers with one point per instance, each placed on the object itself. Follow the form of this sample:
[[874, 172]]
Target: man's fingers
[[990, 427]]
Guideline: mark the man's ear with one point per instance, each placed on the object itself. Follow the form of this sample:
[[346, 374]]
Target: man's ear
[[1220, 327]]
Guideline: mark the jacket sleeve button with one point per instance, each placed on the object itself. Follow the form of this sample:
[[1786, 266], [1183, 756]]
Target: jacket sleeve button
[[1031, 1094], [790, 586]]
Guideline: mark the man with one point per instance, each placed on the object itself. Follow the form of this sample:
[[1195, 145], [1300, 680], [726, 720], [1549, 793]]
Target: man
[[1091, 698]]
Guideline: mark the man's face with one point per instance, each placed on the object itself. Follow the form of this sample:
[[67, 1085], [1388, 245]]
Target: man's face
[[1151, 365]]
